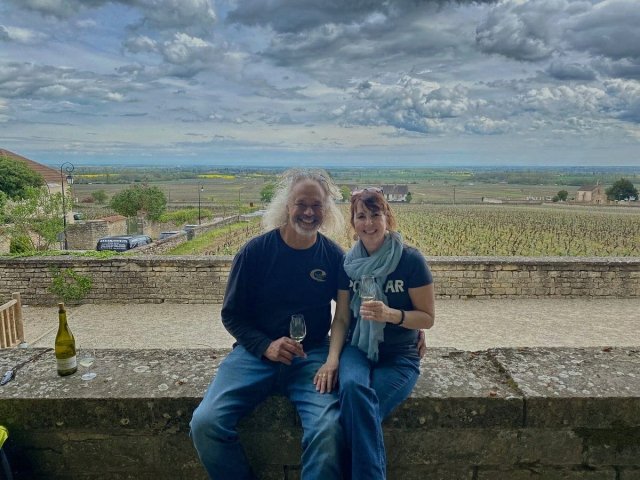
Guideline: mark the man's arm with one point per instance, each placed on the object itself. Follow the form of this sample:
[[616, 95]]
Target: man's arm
[[236, 317], [235, 312]]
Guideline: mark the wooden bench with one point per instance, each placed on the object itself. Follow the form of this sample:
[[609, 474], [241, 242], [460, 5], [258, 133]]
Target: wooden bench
[[11, 326]]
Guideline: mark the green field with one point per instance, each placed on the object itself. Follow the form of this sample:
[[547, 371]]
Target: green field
[[485, 230], [500, 230], [445, 218]]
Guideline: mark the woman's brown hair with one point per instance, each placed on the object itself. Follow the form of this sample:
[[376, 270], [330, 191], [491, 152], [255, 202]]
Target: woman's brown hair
[[374, 201]]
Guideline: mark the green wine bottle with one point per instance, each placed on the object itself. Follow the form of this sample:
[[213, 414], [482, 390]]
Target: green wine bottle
[[65, 345]]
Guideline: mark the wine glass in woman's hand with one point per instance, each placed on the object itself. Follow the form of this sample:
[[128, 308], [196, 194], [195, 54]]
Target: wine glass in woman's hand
[[367, 288]]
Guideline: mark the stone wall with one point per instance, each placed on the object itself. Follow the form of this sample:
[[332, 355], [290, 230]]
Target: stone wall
[[84, 235], [160, 247], [5, 243], [202, 279], [547, 413]]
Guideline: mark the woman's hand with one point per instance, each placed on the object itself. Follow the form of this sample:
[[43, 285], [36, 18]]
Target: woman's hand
[[375, 311], [326, 378]]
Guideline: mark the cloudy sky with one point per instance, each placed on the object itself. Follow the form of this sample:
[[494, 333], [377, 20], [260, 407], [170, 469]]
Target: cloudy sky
[[331, 82]]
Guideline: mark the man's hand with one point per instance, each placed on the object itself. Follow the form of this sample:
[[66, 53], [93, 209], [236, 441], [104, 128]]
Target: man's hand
[[283, 350], [422, 343]]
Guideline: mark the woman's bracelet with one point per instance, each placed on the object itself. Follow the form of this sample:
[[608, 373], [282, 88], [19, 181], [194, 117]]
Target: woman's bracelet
[[401, 318]]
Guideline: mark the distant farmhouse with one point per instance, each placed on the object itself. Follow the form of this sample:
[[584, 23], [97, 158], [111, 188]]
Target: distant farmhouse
[[395, 193], [592, 194], [392, 193]]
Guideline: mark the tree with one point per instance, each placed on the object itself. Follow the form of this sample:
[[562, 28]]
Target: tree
[[563, 195], [36, 220], [622, 189], [267, 192], [140, 198], [16, 177], [3, 201], [100, 196], [346, 193], [409, 197]]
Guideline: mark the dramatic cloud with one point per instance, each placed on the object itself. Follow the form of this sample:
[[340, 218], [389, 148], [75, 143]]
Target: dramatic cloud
[[411, 104], [24, 80], [20, 35], [609, 29], [302, 76]]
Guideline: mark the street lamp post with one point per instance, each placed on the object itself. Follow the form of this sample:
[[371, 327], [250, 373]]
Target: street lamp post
[[200, 190], [66, 167]]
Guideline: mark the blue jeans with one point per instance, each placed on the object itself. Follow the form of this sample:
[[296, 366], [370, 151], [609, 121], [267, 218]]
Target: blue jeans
[[241, 383], [368, 393]]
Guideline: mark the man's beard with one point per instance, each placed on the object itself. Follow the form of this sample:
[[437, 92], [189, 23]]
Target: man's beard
[[307, 232]]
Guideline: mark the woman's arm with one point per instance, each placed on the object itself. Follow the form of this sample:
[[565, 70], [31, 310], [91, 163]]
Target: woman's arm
[[422, 315], [327, 376]]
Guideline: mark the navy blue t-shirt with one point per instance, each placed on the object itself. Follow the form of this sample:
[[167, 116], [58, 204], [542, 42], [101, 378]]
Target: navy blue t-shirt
[[412, 272], [270, 281]]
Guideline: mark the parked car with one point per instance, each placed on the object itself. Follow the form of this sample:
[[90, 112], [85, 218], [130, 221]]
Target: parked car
[[122, 243], [78, 216]]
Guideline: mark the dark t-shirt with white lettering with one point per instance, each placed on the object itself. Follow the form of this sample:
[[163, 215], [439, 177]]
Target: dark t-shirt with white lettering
[[270, 281], [412, 272]]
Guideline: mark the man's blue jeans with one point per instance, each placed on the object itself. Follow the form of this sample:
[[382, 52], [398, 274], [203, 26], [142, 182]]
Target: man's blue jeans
[[241, 383], [368, 393]]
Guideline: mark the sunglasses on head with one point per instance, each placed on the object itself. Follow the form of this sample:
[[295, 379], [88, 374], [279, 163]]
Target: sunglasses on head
[[368, 189]]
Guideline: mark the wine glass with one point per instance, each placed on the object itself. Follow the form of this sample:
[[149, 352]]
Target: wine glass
[[297, 327], [367, 288], [86, 361]]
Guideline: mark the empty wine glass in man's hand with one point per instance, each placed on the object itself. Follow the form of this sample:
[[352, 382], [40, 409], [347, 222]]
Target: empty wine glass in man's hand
[[86, 361], [297, 327]]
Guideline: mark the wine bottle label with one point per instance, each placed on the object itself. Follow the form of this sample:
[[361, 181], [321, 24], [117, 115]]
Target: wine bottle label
[[67, 363]]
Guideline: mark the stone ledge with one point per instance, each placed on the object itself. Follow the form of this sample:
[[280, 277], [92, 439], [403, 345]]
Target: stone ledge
[[562, 411]]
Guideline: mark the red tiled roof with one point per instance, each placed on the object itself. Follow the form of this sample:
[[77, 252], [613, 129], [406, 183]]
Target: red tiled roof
[[49, 174]]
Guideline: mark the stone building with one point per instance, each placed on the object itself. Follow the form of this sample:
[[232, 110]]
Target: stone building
[[592, 194], [52, 177], [393, 193]]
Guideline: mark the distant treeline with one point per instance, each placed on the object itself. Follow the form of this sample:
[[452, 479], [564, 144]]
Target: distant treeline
[[570, 176]]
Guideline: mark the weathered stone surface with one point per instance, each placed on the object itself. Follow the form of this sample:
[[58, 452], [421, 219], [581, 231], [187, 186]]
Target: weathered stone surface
[[535, 472], [459, 388], [580, 387], [482, 446], [629, 474], [504, 413], [612, 447], [422, 472]]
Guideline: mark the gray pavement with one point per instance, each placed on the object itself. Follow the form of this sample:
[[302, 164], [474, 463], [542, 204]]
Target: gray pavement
[[463, 324]]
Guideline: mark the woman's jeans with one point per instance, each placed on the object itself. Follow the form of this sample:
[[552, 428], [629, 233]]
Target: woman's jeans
[[241, 383], [368, 393]]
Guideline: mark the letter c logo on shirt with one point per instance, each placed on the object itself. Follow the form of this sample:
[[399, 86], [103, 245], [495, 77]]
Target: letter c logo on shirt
[[318, 275]]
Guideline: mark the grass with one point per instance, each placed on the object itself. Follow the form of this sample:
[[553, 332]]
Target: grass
[[201, 242]]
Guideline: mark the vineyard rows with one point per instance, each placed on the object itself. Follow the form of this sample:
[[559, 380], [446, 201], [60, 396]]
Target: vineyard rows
[[469, 230], [519, 231]]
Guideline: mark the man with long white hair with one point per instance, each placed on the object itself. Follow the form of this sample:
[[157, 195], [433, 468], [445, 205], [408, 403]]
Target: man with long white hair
[[291, 269]]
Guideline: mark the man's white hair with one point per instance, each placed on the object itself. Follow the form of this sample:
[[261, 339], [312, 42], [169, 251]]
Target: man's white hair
[[276, 214]]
